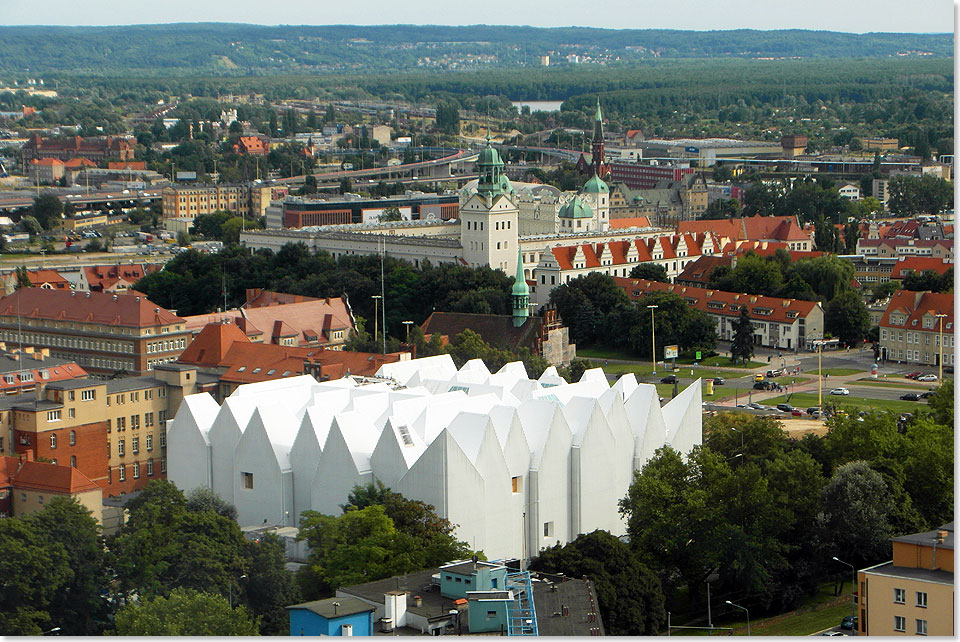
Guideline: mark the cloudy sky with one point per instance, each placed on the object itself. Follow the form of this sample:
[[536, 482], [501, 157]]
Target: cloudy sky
[[857, 16]]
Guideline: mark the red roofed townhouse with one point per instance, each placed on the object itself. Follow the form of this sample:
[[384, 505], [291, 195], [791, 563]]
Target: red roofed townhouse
[[286, 319], [104, 333], [898, 247], [787, 324], [910, 328], [224, 350], [45, 171], [96, 149], [44, 279], [754, 228], [117, 278], [558, 265], [75, 166], [252, 145], [27, 485], [919, 264]]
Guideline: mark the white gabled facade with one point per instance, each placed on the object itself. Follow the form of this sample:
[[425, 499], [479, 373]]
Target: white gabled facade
[[516, 464]]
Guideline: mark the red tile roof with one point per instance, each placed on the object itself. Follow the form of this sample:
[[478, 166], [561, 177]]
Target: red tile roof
[[918, 264], [211, 345], [52, 478], [917, 305], [53, 162], [725, 303], [106, 277], [88, 307], [38, 278], [753, 228], [79, 162], [566, 256]]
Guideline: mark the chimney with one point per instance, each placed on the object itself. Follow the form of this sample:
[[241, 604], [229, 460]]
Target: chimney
[[941, 535], [417, 601]]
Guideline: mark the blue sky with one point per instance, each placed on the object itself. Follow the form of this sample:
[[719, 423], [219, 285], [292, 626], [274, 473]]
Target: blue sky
[[857, 16]]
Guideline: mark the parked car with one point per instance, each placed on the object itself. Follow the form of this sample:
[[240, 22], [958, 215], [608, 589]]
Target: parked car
[[910, 396], [762, 385], [948, 369], [814, 411], [784, 407], [849, 622], [833, 633], [839, 391], [671, 378], [718, 381], [796, 412], [771, 374], [913, 375], [927, 377], [927, 394]]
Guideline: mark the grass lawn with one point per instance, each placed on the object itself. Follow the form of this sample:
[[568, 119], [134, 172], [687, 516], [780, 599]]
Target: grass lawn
[[837, 372], [13, 256], [595, 353], [604, 353], [805, 400], [897, 383]]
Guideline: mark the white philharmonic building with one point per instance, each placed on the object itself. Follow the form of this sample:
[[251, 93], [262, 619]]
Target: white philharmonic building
[[517, 464]]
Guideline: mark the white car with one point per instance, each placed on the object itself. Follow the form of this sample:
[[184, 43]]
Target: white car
[[839, 391], [927, 377]]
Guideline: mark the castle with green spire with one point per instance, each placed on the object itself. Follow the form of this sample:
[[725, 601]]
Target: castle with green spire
[[520, 295]]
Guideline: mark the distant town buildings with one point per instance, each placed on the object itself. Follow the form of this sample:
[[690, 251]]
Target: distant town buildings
[[97, 149], [183, 203]]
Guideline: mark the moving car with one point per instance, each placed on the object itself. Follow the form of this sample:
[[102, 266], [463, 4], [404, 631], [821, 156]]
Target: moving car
[[849, 622], [910, 396], [671, 378], [758, 377], [718, 381], [927, 377], [927, 394], [839, 391], [913, 375]]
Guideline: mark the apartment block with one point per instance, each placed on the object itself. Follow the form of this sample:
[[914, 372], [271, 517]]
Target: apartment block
[[183, 203], [913, 593], [910, 329]]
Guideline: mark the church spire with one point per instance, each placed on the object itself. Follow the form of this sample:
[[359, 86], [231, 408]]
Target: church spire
[[598, 164], [520, 295], [490, 167]]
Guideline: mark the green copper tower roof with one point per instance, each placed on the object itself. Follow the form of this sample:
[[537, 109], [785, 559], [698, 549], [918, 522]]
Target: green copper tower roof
[[576, 208], [596, 186], [490, 168], [520, 287], [598, 124], [520, 295]]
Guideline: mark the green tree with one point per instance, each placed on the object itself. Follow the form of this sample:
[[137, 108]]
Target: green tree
[[272, 125], [185, 612], [448, 117], [203, 498], [346, 186], [78, 607], [741, 347], [723, 208], [359, 546], [912, 195], [929, 280], [23, 278], [47, 209], [309, 185], [33, 571], [390, 214], [30, 225], [676, 324], [651, 272], [211, 225], [269, 587], [846, 318], [630, 597]]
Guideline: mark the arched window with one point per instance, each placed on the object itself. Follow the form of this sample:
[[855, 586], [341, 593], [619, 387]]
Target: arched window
[[53, 441], [73, 460], [73, 437]]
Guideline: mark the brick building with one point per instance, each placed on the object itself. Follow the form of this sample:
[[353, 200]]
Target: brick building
[[183, 203], [104, 333], [96, 149], [910, 328], [45, 171], [26, 485]]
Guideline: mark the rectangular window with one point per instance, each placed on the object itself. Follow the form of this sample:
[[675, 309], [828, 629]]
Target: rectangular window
[[899, 596], [921, 627], [162, 416], [53, 415], [136, 470], [122, 473], [70, 395], [163, 440], [120, 447], [134, 421], [163, 465], [149, 442], [136, 445], [72, 413], [516, 483], [548, 529], [921, 599], [149, 468], [899, 623], [247, 479]]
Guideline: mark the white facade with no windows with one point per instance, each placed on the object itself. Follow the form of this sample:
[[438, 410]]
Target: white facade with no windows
[[517, 464]]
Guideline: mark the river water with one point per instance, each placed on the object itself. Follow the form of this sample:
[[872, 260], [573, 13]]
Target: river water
[[538, 105]]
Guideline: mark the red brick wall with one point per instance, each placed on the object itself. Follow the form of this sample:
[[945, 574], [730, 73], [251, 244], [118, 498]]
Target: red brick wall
[[90, 448], [131, 483]]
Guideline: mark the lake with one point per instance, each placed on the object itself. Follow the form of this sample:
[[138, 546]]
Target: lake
[[538, 105]]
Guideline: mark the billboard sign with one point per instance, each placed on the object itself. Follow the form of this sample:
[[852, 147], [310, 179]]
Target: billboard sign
[[670, 352]]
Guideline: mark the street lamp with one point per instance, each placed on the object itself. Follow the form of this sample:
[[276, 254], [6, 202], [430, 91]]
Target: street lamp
[[408, 324], [231, 589], [53, 630], [653, 336], [376, 306], [746, 611], [741, 438], [853, 591], [941, 316]]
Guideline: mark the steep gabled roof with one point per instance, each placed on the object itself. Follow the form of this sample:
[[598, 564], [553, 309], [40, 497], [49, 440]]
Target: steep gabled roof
[[127, 310], [210, 347], [67, 480], [920, 264]]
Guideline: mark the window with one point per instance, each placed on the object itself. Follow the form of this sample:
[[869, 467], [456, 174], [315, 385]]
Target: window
[[72, 413], [149, 468], [73, 460], [120, 447], [136, 470], [148, 419], [40, 499], [53, 415], [899, 596], [122, 473], [53, 441], [135, 445], [921, 627], [516, 484], [162, 417], [548, 529], [70, 395], [163, 440], [921, 599], [247, 479], [149, 442], [899, 623], [73, 437], [134, 421]]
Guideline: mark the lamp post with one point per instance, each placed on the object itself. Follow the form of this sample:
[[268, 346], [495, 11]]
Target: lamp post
[[741, 438], [408, 324], [941, 316], [746, 611], [853, 590], [376, 307], [653, 336], [53, 630], [231, 589], [820, 376]]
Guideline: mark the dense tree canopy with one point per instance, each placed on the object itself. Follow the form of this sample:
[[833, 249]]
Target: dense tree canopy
[[185, 612]]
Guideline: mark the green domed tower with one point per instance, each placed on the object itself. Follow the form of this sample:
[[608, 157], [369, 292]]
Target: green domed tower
[[521, 295], [490, 169]]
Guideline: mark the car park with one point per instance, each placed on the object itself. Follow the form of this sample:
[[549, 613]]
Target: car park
[[671, 378], [927, 377], [839, 391], [910, 396]]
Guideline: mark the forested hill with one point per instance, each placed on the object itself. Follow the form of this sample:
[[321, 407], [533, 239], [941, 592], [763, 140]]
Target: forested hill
[[239, 49]]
